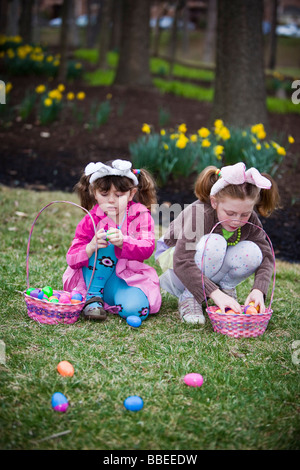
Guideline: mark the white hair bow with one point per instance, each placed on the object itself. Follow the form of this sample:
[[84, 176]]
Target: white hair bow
[[236, 174], [118, 168]]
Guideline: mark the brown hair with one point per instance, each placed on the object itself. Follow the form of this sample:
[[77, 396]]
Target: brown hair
[[146, 189], [267, 200]]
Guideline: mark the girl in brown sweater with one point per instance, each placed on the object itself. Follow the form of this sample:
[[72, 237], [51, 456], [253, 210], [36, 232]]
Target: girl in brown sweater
[[229, 198]]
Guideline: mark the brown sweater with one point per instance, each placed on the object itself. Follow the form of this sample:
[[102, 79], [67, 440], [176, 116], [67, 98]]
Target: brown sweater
[[185, 232]]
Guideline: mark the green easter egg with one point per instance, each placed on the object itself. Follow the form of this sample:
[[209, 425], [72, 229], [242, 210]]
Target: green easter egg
[[29, 290], [48, 291]]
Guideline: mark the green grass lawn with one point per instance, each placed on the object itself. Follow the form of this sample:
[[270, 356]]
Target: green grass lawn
[[249, 398]]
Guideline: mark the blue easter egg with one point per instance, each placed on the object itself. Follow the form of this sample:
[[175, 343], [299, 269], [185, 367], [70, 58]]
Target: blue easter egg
[[134, 321], [59, 402], [77, 296], [133, 403], [40, 295], [35, 293]]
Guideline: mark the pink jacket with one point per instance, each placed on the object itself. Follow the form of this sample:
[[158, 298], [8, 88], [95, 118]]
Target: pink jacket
[[138, 245]]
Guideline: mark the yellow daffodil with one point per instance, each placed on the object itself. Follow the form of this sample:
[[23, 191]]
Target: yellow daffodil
[[206, 143], [78, 65], [281, 150], [258, 146], [174, 136], [109, 96], [40, 89], [218, 123], [291, 139], [70, 96], [224, 133], [146, 128], [80, 95], [48, 102], [61, 87], [182, 128], [267, 145], [55, 95], [182, 141], [218, 150], [162, 132], [203, 132], [8, 87], [166, 147], [193, 138]]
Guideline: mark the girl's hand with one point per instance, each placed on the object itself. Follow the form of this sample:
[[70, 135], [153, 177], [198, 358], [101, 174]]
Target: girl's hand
[[98, 240], [257, 297], [115, 237], [223, 300]]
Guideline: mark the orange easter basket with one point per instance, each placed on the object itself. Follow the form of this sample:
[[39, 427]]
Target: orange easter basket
[[239, 325], [44, 311]]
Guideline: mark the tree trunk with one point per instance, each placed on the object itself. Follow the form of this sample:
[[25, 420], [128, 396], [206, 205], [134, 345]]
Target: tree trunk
[[133, 68], [209, 45], [240, 95], [25, 20], [273, 35], [64, 35], [105, 32]]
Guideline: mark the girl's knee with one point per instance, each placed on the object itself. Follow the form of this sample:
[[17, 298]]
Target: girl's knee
[[246, 253], [132, 302]]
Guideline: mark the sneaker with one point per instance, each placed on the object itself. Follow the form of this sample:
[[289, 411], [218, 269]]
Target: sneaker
[[93, 309], [190, 311]]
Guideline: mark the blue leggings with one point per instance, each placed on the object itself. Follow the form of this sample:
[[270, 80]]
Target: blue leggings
[[112, 289]]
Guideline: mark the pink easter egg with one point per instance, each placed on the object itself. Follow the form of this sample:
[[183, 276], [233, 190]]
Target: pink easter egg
[[193, 380], [64, 299]]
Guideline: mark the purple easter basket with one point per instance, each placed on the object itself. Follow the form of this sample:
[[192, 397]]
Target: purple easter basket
[[44, 311], [239, 325]]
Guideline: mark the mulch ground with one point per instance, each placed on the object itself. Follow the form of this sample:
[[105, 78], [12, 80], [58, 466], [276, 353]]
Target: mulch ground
[[52, 157]]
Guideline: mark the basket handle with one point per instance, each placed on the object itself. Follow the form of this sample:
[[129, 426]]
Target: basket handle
[[31, 230], [273, 254]]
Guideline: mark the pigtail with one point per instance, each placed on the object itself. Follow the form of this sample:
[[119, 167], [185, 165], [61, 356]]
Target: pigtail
[[269, 199], [206, 179], [83, 189], [146, 193]]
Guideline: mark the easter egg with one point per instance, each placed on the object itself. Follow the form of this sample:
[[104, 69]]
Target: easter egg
[[250, 310], [48, 291], [75, 301], [64, 299], [134, 321], [229, 311], [53, 299], [218, 310], [193, 380], [133, 403], [65, 368], [252, 304], [76, 296], [35, 293], [59, 402], [29, 290]]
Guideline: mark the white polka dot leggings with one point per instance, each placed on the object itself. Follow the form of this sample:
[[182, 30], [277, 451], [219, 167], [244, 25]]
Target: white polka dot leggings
[[226, 265]]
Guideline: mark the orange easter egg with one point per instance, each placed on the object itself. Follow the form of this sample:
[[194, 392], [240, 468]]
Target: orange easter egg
[[66, 369], [75, 301], [250, 310], [253, 305], [230, 312]]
